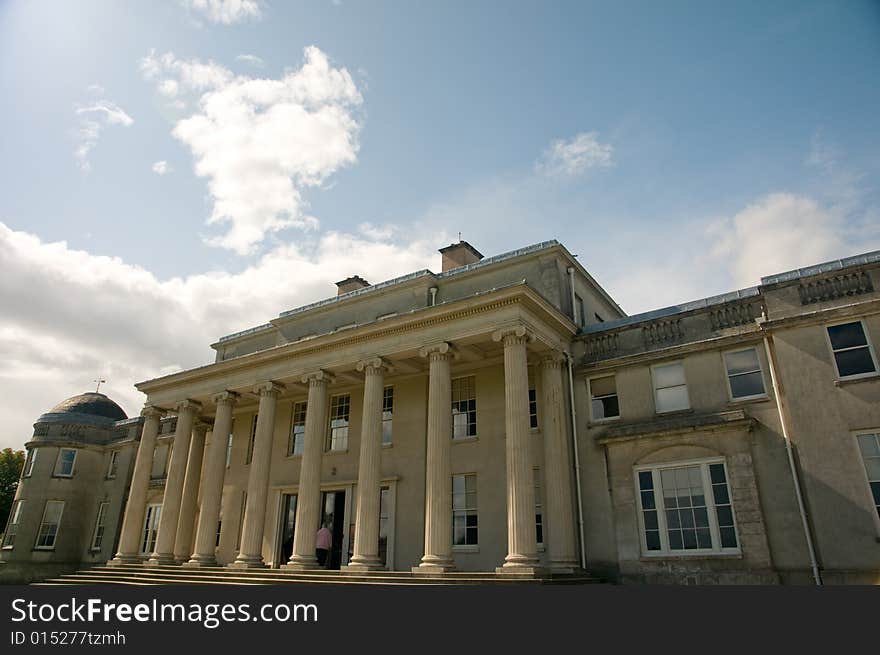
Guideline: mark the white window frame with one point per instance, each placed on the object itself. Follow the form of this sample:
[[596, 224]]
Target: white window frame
[[476, 512], [863, 465], [113, 465], [455, 411], [727, 374], [333, 440], [655, 389], [150, 528], [58, 461], [869, 374], [538, 483], [100, 524], [606, 419], [388, 423], [29, 462], [291, 440], [14, 521], [665, 551], [40, 534], [229, 440]]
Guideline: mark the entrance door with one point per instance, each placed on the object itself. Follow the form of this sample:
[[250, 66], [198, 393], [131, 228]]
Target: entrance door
[[288, 519], [333, 516], [151, 529]]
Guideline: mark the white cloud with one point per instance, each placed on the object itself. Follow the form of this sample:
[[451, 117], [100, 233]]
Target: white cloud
[[573, 157], [92, 120], [161, 167], [262, 142], [253, 60], [226, 12], [70, 316]]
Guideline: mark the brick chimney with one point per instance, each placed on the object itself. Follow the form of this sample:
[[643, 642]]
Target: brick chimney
[[459, 254], [350, 284]]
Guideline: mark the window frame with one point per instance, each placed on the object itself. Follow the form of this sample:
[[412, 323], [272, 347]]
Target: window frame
[[665, 551], [540, 512], [760, 370], [58, 460], [605, 419], [14, 512], [100, 522], [40, 534], [868, 343], [291, 438], [863, 465], [113, 465], [329, 442], [152, 515], [387, 423], [580, 311], [453, 409], [249, 455], [466, 511], [685, 385], [28, 469]]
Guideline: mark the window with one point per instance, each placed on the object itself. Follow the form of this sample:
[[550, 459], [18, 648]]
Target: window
[[114, 464], [464, 510], [151, 529], [869, 446], [29, 463], [686, 508], [250, 450], [340, 410], [744, 376], [603, 398], [464, 408], [670, 389], [64, 463], [100, 520], [48, 532], [12, 525], [533, 404], [539, 513], [229, 448], [384, 523], [579, 316], [387, 415], [852, 352], [241, 520], [297, 442]]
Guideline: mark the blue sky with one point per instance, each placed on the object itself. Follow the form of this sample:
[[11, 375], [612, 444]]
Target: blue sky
[[680, 149]]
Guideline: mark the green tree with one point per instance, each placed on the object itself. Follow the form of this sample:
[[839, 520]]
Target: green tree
[[11, 463]]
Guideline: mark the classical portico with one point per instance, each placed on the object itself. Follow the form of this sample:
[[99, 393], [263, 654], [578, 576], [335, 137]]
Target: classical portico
[[511, 330]]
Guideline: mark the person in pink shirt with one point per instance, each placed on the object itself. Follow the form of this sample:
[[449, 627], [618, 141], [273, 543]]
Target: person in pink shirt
[[323, 540]]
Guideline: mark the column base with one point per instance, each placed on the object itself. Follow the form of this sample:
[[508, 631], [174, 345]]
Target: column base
[[302, 564], [565, 568], [125, 559], [161, 559], [523, 571], [201, 562], [247, 563], [363, 567], [434, 567]]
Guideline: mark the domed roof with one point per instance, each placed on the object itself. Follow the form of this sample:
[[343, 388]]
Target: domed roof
[[94, 404]]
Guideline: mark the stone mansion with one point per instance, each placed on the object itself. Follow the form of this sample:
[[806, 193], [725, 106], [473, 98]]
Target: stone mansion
[[503, 415]]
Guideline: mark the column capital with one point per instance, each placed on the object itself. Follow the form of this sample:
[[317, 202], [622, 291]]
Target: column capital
[[224, 398], [515, 334], [372, 365], [554, 359], [187, 404], [443, 349], [151, 411], [201, 426], [268, 388], [319, 376]]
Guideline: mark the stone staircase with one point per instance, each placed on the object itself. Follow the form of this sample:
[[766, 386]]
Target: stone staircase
[[135, 574]]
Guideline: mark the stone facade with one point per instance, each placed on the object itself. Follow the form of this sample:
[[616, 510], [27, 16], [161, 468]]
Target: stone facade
[[505, 415]]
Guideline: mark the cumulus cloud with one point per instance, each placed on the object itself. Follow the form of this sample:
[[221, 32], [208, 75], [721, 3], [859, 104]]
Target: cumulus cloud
[[93, 118], [161, 167], [253, 60], [226, 12], [262, 142], [71, 316], [573, 157]]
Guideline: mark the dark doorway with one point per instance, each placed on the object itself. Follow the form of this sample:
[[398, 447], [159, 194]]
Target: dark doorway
[[288, 520], [333, 516]]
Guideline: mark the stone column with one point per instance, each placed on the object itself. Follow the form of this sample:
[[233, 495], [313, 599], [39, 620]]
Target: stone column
[[558, 509], [438, 473], [212, 486], [522, 548], [366, 529], [308, 502], [250, 554], [133, 521], [189, 500], [164, 554]]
